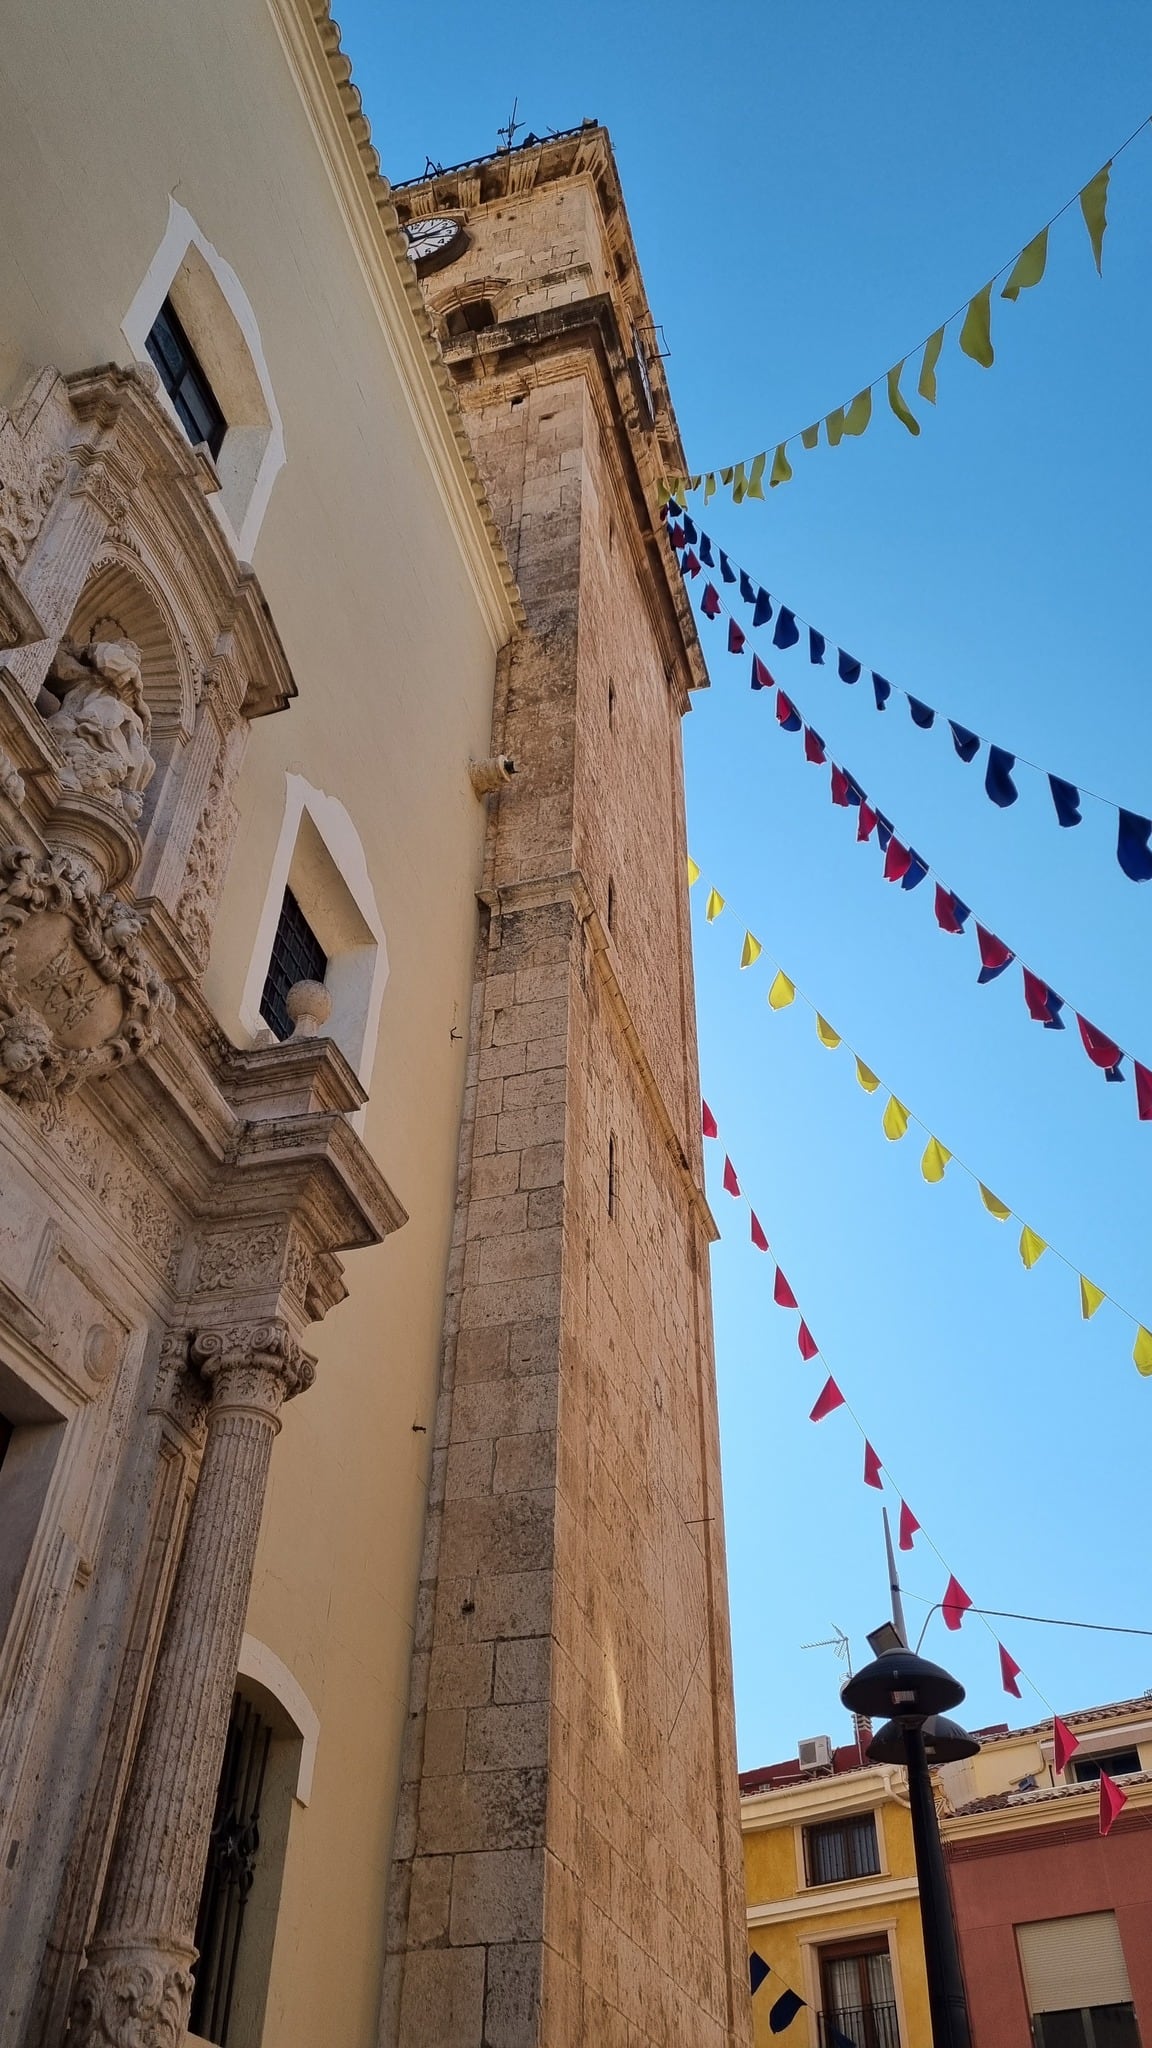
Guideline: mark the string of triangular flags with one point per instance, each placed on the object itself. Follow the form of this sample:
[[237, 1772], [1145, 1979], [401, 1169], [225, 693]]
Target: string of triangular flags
[[1134, 832], [903, 864], [746, 479], [955, 1602], [937, 1157], [788, 2003]]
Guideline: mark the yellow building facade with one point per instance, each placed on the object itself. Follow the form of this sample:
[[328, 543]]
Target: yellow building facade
[[833, 1907]]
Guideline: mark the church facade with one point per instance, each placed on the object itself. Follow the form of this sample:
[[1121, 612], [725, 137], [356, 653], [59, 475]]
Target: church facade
[[363, 1640]]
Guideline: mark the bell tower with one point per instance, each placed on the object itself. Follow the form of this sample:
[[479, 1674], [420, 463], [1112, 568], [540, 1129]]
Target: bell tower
[[567, 1861]]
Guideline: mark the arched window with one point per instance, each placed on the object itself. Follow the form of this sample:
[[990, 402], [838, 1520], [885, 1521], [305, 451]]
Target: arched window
[[469, 318]]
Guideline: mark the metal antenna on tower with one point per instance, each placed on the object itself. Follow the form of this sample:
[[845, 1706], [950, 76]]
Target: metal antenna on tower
[[838, 1642], [898, 1622], [507, 134]]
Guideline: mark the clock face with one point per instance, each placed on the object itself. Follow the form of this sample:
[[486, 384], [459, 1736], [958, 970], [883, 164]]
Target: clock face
[[437, 237]]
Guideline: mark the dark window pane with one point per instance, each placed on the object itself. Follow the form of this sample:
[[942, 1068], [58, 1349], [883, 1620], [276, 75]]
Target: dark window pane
[[184, 380], [1089, 2026], [5, 1436], [297, 955], [1086, 1769], [231, 1871], [842, 1850]]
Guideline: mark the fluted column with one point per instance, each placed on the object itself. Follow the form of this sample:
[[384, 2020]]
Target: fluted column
[[136, 1987]]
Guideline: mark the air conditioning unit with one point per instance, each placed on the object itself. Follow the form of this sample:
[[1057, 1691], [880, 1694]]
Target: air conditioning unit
[[815, 1754]]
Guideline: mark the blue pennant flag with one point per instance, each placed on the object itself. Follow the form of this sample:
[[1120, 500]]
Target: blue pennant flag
[[672, 510], [998, 783], [689, 529], [847, 667], [787, 631], [1066, 798], [967, 744], [914, 873], [746, 590], [816, 645], [836, 2039], [758, 1969], [883, 832], [706, 551], [763, 611], [1132, 849], [881, 690], [784, 2011], [922, 714]]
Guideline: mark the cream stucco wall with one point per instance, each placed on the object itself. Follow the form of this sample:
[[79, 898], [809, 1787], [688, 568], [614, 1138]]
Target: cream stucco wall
[[379, 574]]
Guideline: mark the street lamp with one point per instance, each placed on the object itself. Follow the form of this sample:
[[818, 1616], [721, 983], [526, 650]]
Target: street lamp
[[914, 1695]]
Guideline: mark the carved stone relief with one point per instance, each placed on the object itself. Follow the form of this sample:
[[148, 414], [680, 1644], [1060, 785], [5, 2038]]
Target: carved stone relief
[[214, 835], [95, 710], [241, 1260], [77, 996], [130, 1201], [29, 480]]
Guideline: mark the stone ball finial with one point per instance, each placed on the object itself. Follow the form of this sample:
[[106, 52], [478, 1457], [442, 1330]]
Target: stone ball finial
[[309, 1005]]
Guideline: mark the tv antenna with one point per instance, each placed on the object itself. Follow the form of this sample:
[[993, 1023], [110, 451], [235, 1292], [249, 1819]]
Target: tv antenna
[[511, 127], [837, 1642]]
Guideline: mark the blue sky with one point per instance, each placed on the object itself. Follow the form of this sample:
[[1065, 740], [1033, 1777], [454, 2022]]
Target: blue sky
[[812, 190]]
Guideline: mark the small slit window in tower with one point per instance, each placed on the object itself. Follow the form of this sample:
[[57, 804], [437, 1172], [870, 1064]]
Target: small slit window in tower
[[184, 379], [297, 955], [611, 705], [612, 1171], [610, 911]]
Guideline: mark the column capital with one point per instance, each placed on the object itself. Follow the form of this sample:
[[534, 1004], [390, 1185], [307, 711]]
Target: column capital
[[251, 1365], [132, 1999]]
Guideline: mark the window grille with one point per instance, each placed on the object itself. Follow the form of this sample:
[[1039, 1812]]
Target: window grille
[[841, 1849], [185, 381], [231, 1872], [297, 955], [1086, 1769]]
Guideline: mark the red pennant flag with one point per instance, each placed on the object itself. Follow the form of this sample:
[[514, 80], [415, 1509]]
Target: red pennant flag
[[782, 1294], [1009, 1672], [735, 638], [786, 711], [676, 534], [946, 916], [807, 1342], [710, 602], [955, 1603], [814, 747], [707, 1121], [758, 1237], [872, 1468], [691, 564], [761, 679], [995, 956], [1112, 1802], [829, 1398], [839, 787], [1101, 1050], [866, 822], [897, 861], [909, 1526], [731, 1184], [1064, 1743], [1143, 1091]]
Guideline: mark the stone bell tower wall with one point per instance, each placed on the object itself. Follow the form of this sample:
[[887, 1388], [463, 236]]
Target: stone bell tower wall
[[567, 1853]]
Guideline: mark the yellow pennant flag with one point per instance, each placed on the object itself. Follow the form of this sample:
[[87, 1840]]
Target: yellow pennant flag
[[1094, 207], [781, 468], [936, 1157], [859, 412], [1090, 1298], [867, 1079], [739, 484], [752, 951], [710, 485], [782, 992], [665, 489], [976, 333], [834, 427], [714, 905], [1142, 1351], [825, 1033], [993, 1204], [894, 1119], [756, 477], [898, 403], [1031, 1247], [693, 871], [692, 483], [811, 436], [926, 383], [726, 476], [1029, 267]]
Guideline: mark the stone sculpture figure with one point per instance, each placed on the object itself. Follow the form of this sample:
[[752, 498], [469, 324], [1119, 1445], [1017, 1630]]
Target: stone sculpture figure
[[96, 712]]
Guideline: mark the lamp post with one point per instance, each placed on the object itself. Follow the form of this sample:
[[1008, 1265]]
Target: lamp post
[[914, 1694]]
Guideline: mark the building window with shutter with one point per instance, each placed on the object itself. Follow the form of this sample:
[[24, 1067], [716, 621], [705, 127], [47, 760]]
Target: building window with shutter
[[1077, 1982], [184, 379], [840, 1850], [857, 1994]]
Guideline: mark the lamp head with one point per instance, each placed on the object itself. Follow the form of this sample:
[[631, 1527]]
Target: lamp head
[[901, 1686], [945, 1742]]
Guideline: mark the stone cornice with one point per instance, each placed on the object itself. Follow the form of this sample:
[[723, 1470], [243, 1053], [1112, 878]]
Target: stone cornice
[[819, 1799], [833, 1898], [323, 73]]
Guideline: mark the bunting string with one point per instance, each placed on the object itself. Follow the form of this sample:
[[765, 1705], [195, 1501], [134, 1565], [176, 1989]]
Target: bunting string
[[746, 479], [956, 1602], [937, 1157], [1134, 831], [903, 864]]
